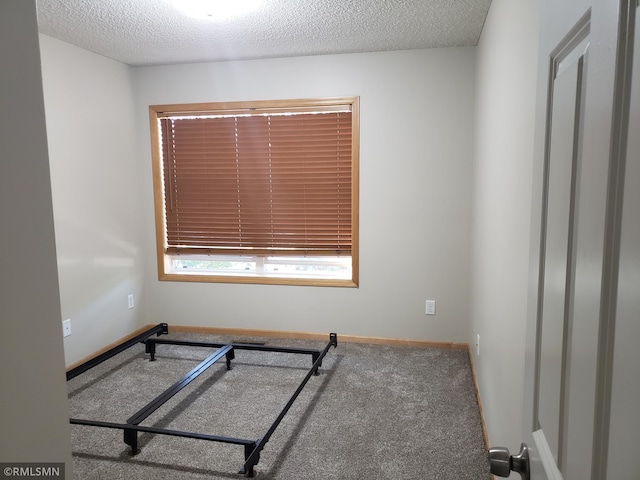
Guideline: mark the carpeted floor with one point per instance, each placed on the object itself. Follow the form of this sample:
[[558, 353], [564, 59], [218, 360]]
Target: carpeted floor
[[375, 412]]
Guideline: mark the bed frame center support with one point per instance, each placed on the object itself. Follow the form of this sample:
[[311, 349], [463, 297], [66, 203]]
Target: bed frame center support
[[131, 436]]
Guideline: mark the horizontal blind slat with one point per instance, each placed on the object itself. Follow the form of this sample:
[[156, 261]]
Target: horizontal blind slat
[[259, 182]]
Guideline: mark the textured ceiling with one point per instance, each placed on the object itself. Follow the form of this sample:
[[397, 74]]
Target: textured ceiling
[[150, 32]]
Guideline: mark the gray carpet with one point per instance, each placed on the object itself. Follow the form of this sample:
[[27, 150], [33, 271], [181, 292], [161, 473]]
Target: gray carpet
[[375, 412]]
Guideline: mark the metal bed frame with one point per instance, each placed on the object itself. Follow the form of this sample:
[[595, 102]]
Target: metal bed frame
[[252, 448]]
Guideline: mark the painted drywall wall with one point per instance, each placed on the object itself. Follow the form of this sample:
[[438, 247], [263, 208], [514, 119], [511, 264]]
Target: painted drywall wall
[[415, 183], [503, 164], [34, 413], [96, 194]]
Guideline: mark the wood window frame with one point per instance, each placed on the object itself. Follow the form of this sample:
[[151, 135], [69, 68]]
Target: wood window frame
[[164, 259]]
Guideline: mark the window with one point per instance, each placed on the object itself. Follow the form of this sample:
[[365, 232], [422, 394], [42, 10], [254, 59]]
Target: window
[[257, 192]]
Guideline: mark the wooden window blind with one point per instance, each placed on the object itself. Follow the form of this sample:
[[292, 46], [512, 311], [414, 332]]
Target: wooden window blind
[[268, 184]]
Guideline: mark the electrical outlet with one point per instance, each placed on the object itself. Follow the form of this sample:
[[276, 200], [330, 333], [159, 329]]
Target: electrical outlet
[[66, 327], [478, 345], [430, 308], [130, 300]]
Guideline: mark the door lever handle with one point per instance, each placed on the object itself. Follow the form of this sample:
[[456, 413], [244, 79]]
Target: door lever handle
[[502, 462]]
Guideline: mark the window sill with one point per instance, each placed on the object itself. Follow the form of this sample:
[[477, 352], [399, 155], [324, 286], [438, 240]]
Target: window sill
[[256, 280]]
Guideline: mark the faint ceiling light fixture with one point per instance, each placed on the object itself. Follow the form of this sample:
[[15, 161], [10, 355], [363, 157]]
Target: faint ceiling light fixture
[[216, 9]]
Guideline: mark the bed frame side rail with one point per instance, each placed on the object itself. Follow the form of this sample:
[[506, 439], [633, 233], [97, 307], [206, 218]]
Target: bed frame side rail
[[160, 329], [251, 459]]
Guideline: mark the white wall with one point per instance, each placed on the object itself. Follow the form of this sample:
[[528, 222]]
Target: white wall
[[503, 163], [96, 194], [415, 162], [34, 413]]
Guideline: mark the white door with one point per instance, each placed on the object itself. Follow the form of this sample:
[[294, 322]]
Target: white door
[[582, 385]]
